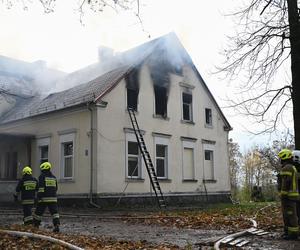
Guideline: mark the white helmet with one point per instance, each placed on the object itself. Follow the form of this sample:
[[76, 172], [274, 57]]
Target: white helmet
[[296, 156]]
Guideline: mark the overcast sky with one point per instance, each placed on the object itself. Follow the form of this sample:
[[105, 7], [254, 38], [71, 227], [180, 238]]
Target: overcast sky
[[67, 44]]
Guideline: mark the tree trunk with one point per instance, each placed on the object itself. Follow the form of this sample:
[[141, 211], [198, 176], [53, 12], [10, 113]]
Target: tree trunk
[[295, 65]]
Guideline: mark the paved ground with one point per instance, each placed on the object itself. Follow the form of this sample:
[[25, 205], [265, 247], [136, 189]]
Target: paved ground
[[125, 230]]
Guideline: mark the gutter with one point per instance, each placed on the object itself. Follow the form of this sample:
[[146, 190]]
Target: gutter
[[90, 108]]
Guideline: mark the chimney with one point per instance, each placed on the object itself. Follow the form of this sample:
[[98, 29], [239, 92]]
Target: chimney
[[105, 53]]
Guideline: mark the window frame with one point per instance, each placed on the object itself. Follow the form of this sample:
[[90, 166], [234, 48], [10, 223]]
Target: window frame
[[64, 139], [130, 137], [190, 144], [208, 117], [42, 142], [162, 139], [209, 146], [187, 91]]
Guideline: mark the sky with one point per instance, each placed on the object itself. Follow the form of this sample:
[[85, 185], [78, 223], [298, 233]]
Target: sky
[[67, 42]]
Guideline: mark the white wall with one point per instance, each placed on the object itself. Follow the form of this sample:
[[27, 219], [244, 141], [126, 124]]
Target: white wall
[[111, 137], [52, 127]]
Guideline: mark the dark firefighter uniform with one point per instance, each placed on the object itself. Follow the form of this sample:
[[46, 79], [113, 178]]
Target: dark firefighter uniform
[[47, 196], [296, 160], [288, 191], [27, 186]]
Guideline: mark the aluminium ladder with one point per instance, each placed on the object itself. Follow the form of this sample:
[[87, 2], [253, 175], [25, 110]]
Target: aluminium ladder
[[147, 159]]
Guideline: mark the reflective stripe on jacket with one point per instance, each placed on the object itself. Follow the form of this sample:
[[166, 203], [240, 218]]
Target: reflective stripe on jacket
[[288, 186]]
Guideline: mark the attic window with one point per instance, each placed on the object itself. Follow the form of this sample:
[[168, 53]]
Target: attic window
[[160, 100], [187, 107], [132, 96]]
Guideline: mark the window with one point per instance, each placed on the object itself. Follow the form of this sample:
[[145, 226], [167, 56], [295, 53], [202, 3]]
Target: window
[[133, 160], [67, 148], [161, 160], [132, 97], [188, 163], [43, 153], [208, 117], [187, 107], [188, 158], [208, 165], [9, 170], [67, 155], [160, 100], [43, 145]]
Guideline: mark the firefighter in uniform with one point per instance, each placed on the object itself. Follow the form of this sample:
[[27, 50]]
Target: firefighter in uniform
[[296, 160], [288, 191], [47, 196], [27, 186]]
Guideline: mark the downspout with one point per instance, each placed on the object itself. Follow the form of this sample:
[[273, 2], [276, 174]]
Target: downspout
[[91, 158], [102, 104]]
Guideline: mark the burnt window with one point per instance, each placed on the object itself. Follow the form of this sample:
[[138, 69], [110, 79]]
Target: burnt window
[[160, 100], [187, 106], [132, 96]]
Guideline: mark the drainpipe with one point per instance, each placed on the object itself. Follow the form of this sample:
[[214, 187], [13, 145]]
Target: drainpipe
[[89, 106], [91, 157]]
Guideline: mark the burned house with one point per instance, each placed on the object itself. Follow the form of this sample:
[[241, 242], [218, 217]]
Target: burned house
[[85, 131]]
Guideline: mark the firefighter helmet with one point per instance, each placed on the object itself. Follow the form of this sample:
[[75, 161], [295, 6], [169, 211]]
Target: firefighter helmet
[[45, 166], [296, 156], [27, 170], [285, 154]]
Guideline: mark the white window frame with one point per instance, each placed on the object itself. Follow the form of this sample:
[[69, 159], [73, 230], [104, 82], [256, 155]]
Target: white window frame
[[42, 142], [209, 147], [165, 141], [66, 138], [190, 144], [130, 137], [210, 123], [190, 105]]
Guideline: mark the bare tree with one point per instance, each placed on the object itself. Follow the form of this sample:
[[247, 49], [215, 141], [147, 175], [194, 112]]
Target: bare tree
[[234, 166], [269, 152], [84, 5], [268, 38]]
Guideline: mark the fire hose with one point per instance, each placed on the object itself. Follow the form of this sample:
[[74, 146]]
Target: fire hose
[[41, 237]]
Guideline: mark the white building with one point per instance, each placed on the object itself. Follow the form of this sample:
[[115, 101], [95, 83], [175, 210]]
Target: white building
[[86, 133]]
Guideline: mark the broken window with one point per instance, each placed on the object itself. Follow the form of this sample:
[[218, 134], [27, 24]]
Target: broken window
[[132, 96], [132, 85], [187, 106], [160, 100]]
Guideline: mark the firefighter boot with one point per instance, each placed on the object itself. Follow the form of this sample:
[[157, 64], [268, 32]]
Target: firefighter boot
[[56, 229]]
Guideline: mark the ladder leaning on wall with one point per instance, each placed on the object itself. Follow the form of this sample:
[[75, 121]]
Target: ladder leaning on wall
[[147, 159]]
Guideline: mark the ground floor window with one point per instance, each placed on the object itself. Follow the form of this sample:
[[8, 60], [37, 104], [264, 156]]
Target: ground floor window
[[8, 166], [133, 160], [208, 164], [67, 152]]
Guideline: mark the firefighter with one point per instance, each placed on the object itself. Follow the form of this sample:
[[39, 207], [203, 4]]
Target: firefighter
[[27, 186], [288, 190], [296, 160], [46, 195]]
